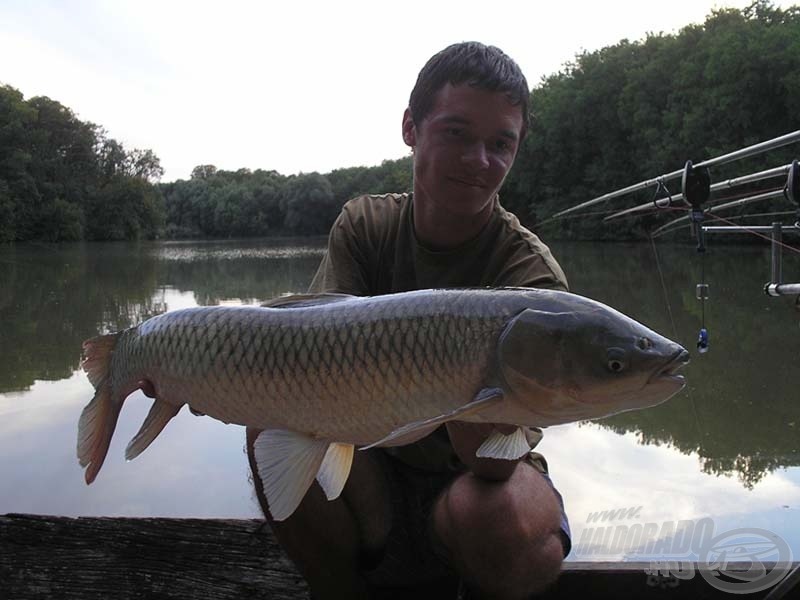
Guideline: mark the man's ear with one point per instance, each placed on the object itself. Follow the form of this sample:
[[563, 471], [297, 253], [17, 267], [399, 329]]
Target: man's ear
[[409, 130]]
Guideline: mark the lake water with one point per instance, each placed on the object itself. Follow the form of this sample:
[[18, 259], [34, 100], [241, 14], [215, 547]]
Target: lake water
[[722, 455]]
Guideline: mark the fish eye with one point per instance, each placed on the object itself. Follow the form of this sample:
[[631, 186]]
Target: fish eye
[[616, 360]]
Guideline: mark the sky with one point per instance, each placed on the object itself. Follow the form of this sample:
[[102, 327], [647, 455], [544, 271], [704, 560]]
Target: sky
[[292, 86]]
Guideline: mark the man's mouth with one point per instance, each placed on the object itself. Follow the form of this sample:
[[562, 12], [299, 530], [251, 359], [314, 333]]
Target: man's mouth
[[477, 183]]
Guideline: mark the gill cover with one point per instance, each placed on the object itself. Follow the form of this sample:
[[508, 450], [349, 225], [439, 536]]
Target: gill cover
[[532, 347]]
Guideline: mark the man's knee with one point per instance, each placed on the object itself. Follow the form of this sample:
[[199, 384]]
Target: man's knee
[[503, 537]]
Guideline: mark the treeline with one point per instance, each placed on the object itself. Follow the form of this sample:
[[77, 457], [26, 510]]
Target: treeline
[[610, 118], [216, 203], [636, 110], [63, 179]]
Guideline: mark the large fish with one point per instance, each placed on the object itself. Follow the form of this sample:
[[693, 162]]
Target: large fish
[[324, 374]]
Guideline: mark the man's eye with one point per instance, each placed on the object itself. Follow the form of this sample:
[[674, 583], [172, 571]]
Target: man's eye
[[454, 131], [503, 145]]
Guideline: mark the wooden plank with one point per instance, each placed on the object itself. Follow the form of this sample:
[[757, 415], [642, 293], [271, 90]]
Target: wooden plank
[[126, 558], [219, 559]]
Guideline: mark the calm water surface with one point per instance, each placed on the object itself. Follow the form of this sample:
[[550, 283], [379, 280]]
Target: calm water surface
[[726, 448]]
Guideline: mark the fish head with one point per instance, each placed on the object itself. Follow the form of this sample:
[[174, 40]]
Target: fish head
[[581, 359]]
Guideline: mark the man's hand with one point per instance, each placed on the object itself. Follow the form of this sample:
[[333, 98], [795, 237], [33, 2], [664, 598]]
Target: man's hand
[[466, 438]]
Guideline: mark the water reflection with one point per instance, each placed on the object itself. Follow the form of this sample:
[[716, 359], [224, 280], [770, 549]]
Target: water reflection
[[597, 471], [739, 412], [54, 297], [738, 416]]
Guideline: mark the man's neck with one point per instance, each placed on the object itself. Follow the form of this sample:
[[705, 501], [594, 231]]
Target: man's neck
[[438, 231]]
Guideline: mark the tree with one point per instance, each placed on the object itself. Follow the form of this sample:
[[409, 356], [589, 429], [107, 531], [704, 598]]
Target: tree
[[635, 110], [203, 171], [18, 193], [310, 206], [144, 164], [128, 208], [56, 170]]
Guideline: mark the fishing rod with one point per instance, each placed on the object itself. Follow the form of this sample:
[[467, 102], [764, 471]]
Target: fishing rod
[[671, 225], [791, 191], [713, 162], [678, 200], [696, 190], [781, 213]]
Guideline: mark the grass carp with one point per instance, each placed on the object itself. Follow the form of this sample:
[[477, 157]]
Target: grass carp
[[323, 374]]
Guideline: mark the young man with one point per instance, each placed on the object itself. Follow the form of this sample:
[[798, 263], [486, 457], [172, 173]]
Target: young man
[[432, 511]]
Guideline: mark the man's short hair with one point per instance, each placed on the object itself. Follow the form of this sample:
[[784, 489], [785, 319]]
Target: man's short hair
[[484, 67]]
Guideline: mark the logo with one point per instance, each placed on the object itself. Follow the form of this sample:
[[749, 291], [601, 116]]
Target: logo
[[753, 547], [739, 561]]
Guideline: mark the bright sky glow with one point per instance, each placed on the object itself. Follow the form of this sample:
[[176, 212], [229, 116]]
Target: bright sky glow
[[296, 87]]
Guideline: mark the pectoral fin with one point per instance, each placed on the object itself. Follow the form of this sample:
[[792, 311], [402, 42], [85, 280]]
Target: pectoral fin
[[508, 447], [412, 432], [305, 300], [160, 414], [287, 464], [335, 468]]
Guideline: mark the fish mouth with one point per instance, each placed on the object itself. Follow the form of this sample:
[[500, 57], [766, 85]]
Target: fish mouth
[[670, 369]]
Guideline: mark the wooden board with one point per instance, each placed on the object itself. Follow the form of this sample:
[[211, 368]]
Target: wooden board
[[84, 558], [218, 559]]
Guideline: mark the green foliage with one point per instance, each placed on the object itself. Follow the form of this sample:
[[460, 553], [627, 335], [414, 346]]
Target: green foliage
[[610, 118], [63, 179], [635, 110], [126, 208], [226, 204], [309, 204]]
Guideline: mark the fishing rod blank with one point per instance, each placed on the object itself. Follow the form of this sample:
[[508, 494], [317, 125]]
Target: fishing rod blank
[[724, 206], [722, 185], [713, 162]]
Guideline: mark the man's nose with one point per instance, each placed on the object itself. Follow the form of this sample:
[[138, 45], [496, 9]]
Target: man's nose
[[475, 155]]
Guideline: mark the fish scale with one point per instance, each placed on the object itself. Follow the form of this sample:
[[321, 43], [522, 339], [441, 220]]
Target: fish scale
[[323, 374], [307, 359]]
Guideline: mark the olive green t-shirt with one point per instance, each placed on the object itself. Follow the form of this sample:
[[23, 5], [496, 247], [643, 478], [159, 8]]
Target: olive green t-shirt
[[373, 250]]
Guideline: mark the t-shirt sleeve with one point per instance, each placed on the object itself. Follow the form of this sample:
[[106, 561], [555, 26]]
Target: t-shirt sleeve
[[520, 258], [343, 267], [533, 269]]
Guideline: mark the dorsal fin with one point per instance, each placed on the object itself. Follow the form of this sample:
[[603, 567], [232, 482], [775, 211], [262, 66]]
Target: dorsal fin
[[301, 300]]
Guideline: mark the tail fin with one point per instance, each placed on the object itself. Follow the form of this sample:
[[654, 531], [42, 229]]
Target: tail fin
[[99, 418]]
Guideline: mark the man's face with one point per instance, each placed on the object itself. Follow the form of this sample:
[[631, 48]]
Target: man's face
[[463, 149]]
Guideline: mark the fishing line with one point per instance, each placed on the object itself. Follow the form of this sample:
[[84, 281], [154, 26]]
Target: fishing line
[[745, 229], [701, 292], [674, 330], [703, 296], [783, 213], [664, 287]]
